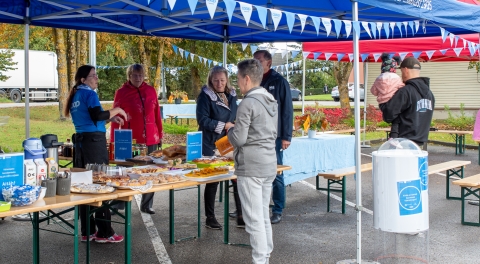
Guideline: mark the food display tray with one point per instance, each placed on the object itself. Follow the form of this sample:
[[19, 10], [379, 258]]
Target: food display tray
[[211, 178], [136, 161], [92, 192]]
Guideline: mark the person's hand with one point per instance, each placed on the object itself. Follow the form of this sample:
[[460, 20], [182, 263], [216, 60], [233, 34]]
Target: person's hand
[[229, 125], [121, 112], [117, 119], [285, 144]]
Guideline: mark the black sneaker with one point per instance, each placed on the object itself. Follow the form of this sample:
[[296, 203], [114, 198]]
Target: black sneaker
[[240, 222], [212, 223]]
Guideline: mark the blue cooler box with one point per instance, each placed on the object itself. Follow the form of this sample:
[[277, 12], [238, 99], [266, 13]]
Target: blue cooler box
[[11, 170]]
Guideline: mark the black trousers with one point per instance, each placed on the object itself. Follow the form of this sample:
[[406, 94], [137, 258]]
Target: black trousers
[[92, 148], [209, 198], [147, 198]]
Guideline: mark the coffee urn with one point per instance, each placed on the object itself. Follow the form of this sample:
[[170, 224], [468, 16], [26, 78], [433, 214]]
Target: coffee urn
[[51, 144]]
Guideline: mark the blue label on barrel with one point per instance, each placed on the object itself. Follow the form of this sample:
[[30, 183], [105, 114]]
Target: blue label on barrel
[[423, 172], [409, 197]]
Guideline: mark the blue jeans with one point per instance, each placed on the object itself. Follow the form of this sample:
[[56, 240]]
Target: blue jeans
[[278, 187]]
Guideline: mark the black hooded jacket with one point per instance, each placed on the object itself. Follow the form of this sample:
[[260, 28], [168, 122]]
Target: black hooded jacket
[[413, 104], [280, 89]]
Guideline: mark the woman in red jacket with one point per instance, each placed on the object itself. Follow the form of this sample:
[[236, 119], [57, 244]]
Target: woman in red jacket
[[139, 100]]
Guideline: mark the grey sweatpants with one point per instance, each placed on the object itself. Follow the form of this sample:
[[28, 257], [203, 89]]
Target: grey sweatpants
[[255, 196]]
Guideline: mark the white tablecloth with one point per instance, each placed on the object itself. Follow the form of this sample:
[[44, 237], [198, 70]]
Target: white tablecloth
[[325, 152]]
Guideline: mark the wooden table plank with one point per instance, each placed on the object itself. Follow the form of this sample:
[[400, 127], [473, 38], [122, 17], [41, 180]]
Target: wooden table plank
[[447, 165]]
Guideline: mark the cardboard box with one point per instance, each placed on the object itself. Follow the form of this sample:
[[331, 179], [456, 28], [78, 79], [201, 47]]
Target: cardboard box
[[79, 175], [41, 169], [11, 170], [30, 172]]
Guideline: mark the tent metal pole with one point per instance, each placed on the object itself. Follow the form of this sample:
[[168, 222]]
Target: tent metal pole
[[358, 159], [303, 84], [365, 83], [164, 90], [26, 44], [92, 55], [288, 77], [225, 47]]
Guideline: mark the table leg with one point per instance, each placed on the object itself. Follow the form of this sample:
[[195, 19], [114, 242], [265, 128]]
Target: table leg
[[172, 216], [199, 220], [225, 214], [36, 238], [221, 193], [75, 235], [456, 144], [88, 234], [128, 232], [463, 205], [344, 193]]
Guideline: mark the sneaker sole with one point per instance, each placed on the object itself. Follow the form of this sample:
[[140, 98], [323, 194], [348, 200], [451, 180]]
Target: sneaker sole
[[214, 228], [107, 241], [241, 226]]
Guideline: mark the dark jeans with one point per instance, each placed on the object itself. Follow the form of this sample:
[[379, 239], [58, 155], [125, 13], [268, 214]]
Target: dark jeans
[[278, 187], [209, 198], [147, 198], [92, 148]]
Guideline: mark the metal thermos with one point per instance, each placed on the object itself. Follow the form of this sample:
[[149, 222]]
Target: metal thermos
[[51, 144]]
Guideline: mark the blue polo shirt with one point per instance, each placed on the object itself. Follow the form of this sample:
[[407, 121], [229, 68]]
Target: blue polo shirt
[[84, 99]]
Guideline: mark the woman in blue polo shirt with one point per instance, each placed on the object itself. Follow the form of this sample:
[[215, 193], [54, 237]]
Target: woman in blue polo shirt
[[90, 142]]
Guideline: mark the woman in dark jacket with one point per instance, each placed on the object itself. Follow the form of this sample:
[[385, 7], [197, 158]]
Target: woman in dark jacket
[[216, 105]]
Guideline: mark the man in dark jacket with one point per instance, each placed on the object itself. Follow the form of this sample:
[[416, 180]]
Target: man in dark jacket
[[413, 104], [280, 89]]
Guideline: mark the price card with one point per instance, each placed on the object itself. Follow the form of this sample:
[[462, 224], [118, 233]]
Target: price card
[[123, 144], [194, 145]]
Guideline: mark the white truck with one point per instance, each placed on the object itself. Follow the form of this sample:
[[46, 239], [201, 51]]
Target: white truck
[[43, 82]]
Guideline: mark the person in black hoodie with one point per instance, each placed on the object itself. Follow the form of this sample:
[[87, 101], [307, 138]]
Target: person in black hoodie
[[280, 89], [413, 104]]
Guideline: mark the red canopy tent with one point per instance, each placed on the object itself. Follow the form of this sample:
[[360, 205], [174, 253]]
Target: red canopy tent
[[397, 46]]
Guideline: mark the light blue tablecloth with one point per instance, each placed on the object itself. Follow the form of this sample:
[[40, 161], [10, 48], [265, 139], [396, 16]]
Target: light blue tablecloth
[[309, 156], [180, 109]]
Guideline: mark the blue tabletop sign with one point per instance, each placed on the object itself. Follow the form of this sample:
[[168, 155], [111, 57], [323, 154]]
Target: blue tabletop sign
[[194, 145], [423, 172], [11, 170], [123, 144], [409, 197]]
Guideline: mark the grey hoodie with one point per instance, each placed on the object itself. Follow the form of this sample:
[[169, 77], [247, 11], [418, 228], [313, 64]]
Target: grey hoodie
[[254, 134]]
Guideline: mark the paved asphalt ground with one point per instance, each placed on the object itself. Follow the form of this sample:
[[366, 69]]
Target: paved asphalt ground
[[307, 233]]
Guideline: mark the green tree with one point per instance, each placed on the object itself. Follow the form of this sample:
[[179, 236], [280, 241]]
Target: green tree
[[6, 63], [474, 65], [341, 71]]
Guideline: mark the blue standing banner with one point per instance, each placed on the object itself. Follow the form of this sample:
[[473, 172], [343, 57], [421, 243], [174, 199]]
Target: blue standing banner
[[11, 170], [194, 145], [123, 144]]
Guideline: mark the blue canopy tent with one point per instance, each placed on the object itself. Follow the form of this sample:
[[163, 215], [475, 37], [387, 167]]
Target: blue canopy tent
[[174, 18], [253, 21]]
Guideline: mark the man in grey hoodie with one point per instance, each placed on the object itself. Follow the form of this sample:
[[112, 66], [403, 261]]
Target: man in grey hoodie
[[253, 136]]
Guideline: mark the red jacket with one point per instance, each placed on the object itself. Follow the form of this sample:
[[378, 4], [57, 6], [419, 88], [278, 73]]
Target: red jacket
[[128, 98]]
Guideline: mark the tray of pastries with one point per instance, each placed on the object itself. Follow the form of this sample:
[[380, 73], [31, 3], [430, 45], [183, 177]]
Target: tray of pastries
[[91, 188], [126, 184], [208, 174], [146, 169], [141, 160], [213, 161], [161, 178]]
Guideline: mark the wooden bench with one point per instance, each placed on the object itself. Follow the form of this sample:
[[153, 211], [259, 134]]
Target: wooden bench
[[337, 178], [176, 116], [459, 139], [470, 187], [451, 168]]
